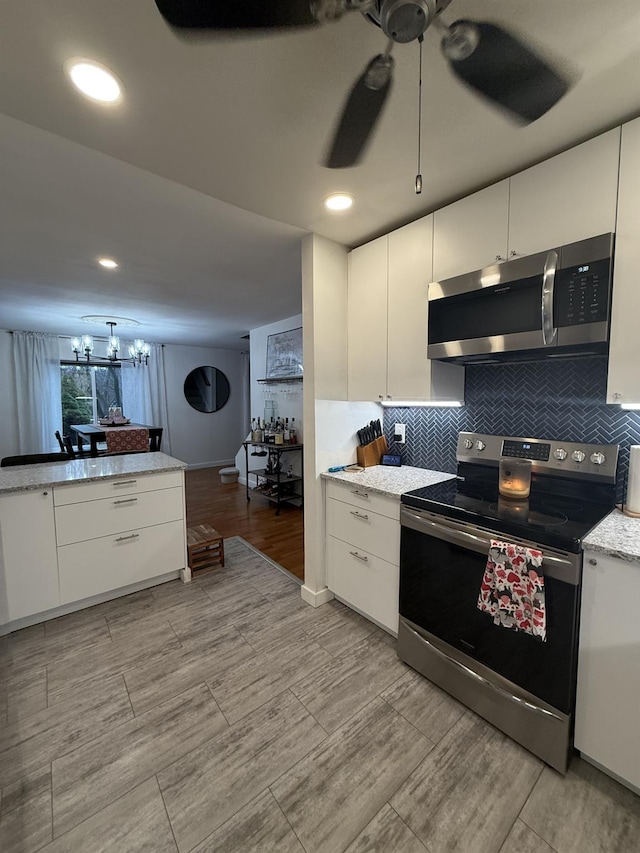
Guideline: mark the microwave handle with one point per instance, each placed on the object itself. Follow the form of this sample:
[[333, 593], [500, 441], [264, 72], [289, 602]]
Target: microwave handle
[[549, 330]]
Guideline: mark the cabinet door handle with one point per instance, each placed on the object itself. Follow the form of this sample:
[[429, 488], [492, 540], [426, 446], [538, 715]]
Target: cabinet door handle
[[499, 258], [131, 536], [359, 556], [593, 562], [513, 253], [360, 515], [125, 483], [45, 493], [125, 501], [360, 494]]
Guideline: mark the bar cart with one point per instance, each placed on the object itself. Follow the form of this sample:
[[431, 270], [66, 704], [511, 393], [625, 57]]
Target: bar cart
[[269, 480]]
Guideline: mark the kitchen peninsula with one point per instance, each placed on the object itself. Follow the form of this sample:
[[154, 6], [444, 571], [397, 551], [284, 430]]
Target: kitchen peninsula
[[73, 534]]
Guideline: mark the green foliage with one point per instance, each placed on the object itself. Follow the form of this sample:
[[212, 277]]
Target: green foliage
[[76, 383], [78, 391]]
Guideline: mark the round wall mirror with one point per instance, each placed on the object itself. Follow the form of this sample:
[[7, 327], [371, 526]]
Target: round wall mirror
[[206, 389]]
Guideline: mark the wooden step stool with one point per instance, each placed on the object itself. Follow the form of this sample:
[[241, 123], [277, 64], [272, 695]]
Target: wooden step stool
[[205, 547]]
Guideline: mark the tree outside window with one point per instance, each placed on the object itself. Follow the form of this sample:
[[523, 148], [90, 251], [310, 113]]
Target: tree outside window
[[87, 392]]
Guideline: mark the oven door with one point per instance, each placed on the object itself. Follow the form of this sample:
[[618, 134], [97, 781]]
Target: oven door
[[442, 563]]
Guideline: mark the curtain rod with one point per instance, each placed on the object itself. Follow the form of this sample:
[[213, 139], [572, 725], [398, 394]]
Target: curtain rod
[[70, 337]]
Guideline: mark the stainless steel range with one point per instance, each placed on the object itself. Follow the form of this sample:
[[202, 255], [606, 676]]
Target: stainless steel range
[[524, 687]]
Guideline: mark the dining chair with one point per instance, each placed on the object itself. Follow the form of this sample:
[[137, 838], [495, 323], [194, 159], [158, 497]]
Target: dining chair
[[155, 441], [59, 438], [34, 459]]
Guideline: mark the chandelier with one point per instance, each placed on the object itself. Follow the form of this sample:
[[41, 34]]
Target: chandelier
[[139, 351]]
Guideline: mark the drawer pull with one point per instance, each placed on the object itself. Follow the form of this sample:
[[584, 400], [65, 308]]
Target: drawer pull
[[360, 515], [131, 536], [125, 501], [360, 494], [359, 556], [125, 483]]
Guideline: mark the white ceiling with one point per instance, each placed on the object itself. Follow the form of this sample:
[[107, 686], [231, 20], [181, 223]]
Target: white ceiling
[[245, 122]]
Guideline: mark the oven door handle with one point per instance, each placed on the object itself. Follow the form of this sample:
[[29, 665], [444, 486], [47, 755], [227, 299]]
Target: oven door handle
[[485, 681], [557, 567]]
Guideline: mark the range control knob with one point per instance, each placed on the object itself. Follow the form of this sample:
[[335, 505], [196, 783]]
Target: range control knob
[[467, 444], [560, 454], [578, 456], [480, 445], [597, 458]]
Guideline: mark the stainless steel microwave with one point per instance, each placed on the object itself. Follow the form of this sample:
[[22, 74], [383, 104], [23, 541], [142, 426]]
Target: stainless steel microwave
[[554, 303]]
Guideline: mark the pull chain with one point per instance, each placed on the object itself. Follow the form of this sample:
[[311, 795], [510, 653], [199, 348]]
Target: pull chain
[[419, 175]]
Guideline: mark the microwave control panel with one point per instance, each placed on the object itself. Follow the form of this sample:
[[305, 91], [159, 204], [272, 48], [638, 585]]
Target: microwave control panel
[[582, 294]]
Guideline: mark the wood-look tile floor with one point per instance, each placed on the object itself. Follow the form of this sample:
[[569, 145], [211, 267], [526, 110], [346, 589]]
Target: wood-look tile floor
[[227, 716]]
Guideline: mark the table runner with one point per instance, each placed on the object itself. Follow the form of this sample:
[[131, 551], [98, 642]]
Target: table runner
[[125, 439]]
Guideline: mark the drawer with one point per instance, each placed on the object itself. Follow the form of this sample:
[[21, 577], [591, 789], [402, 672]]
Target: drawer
[[363, 528], [365, 581], [125, 485], [117, 514], [102, 565], [360, 497]]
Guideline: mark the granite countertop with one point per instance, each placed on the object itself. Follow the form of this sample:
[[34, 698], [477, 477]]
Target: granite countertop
[[617, 535], [20, 478], [390, 481]]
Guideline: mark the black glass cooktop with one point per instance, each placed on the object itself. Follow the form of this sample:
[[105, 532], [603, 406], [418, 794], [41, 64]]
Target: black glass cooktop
[[558, 512]]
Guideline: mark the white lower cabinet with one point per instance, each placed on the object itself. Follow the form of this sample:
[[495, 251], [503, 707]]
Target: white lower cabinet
[[60, 546], [28, 554], [363, 552], [93, 519], [608, 695], [99, 565]]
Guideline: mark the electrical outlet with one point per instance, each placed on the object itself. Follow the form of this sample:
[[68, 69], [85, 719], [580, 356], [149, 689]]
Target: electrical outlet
[[399, 433]]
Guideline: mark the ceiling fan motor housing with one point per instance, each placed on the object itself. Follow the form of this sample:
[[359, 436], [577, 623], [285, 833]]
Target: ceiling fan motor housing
[[406, 20]]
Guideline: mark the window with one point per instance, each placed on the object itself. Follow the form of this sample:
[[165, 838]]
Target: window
[[87, 392]]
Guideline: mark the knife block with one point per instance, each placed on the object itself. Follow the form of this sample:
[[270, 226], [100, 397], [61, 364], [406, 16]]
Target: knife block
[[371, 454]]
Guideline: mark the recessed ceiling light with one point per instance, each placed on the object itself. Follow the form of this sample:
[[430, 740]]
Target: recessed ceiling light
[[338, 201], [109, 263], [95, 81]]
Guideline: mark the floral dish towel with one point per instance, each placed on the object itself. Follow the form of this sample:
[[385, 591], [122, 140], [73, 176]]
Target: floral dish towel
[[512, 589]]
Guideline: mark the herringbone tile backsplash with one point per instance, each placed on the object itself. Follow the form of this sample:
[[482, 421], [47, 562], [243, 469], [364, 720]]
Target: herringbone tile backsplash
[[548, 399]]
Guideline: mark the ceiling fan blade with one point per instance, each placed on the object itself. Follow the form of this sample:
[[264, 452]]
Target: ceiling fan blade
[[235, 14], [360, 113], [503, 69]]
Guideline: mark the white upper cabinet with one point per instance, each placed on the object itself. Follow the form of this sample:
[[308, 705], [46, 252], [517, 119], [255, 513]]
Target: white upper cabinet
[[367, 321], [567, 198], [471, 233], [570, 197], [388, 305], [623, 384]]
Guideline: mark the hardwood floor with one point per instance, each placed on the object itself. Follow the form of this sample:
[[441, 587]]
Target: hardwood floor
[[224, 505]]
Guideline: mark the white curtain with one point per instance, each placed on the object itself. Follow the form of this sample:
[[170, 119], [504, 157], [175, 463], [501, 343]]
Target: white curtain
[[144, 394], [36, 360]]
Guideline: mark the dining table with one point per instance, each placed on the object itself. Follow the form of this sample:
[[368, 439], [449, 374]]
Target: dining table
[[93, 434]]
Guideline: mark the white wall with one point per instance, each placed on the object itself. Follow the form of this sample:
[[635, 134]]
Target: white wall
[[324, 311], [286, 396], [8, 403], [201, 438]]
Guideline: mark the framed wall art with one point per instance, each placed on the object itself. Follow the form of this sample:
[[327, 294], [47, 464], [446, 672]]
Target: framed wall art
[[284, 355]]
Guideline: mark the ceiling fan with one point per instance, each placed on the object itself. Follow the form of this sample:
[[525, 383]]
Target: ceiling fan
[[494, 63]]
